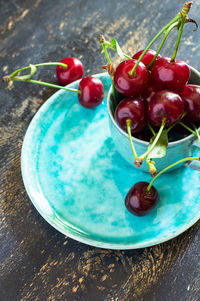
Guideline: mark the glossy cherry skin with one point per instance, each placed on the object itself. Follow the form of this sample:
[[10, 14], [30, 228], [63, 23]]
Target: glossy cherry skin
[[147, 93], [134, 109], [73, 71], [139, 201], [165, 104], [191, 98], [92, 92], [130, 85], [148, 57], [170, 75]]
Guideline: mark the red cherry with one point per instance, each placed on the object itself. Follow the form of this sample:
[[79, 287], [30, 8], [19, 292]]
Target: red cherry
[[73, 71], [147, 92], [170, 75], [130, 85], [165, 104], [191, 98], [139, 201], [131, 108], [92, 92], [148, 57]]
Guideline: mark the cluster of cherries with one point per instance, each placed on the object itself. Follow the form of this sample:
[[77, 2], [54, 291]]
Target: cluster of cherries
[[162, 94], [91, 88]]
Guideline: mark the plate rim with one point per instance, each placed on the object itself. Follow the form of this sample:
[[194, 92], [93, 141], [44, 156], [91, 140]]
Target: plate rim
[[54, 222]]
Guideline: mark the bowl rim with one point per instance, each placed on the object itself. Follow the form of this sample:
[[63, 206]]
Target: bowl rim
[[170, 144]]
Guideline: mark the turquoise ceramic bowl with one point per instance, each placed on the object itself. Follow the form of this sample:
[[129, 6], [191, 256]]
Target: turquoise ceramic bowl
[[77, 180], [176, 150]]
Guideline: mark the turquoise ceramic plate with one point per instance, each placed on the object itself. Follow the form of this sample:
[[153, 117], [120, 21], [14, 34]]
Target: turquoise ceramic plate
[[77, 180]]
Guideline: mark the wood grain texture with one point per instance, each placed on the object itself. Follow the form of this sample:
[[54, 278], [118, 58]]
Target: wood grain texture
[[36, 261]]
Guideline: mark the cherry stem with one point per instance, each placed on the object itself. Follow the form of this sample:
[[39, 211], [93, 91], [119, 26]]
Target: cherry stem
[[187, 127], [151, 129], [162, 42], [106, 52], [109, 62], [178, 16], [178, 39], [170, 166], [155, 140], [45, 84], [39, 65], [151, 167], [196, 132], [108, 44], [129, 123], [173, 125]]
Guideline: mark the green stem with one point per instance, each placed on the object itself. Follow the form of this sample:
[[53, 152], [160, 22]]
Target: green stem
[[196, 132], [151, 129], [106, 52], [155, 140], [108, 44], [173, 125], [129, 123], [114, 95], [170, 166], [162, 42], [151, 167], [178, 16], [187, 127], [178, 39], [46, 84], [103, 44], [38, 65]]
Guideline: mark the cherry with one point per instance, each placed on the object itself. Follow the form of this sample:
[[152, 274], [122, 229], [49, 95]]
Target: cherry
[[139, 201], [73, 71], [170, 75], [165, 104], [147, 93], [127, 84], [92, 92], [191, 98], [148, 57], [134, 109]]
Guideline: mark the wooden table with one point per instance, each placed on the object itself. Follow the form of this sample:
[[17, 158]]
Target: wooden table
[[38, 262]]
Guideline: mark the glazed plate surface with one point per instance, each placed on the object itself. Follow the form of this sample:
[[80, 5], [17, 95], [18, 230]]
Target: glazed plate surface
[[77, 181]]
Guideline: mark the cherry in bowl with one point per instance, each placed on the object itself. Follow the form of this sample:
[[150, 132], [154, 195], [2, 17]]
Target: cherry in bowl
[[165, 104], [169, 75], [148, 56], [131, 108], [130, 84]]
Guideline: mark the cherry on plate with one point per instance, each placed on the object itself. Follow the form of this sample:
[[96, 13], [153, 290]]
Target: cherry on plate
[[92, 92], [139, 201], [74, 70]]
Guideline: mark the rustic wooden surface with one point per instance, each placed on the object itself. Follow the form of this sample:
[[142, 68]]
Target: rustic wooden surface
[[36, 261]]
